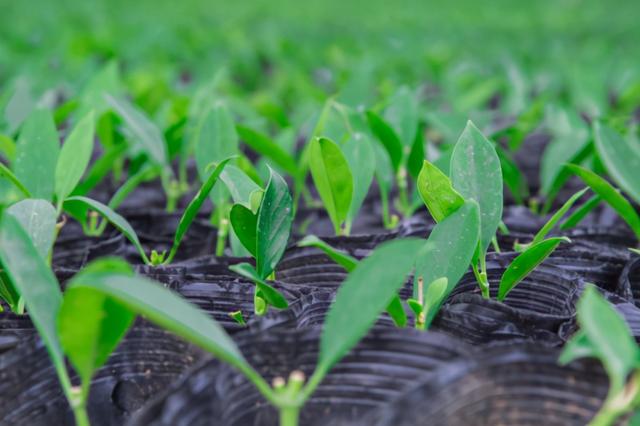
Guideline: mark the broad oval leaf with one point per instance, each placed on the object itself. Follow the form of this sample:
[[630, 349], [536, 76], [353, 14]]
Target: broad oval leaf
[[194, 207], [621, 156], [242, 188], [610, 195], [74, 157], [38, 218], [526, 262], [365, 293], [437, 192], [36, 284], [245, 226], [90, 326], [275, 217], [476, 174], [332, 178], [166, 309], [37, 153], [120, 223], [144, 131]]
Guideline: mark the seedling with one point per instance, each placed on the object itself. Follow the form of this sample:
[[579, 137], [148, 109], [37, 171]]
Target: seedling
[[100, 304], [605, 335], [264, 235]]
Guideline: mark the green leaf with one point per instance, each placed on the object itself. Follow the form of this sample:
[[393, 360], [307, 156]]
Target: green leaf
[[388, 137], [437, 192], [194, 207], [90, 326], [563, 176], [551, 223], [347, 262], [38, 218], [515, 180], [144, 131], [435, 294], [361, 158], [267, 292], [216, 139], [275, 217], [74, 158], [609, 336], [268, 149], [581, 212], [526, 262], [166, 309], [365, 293], [610, 195], [402, 113], [476, 174], [395, 309], [621, 156], [417, 154], [245, 226], [84, 204], [454, 241], [5, 172], [7, 148], [36, 284], [332, 178], [577, 347], [37, 153]]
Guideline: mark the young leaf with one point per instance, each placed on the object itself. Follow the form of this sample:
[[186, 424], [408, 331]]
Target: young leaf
[[347, 262], [526, 262], [38, 145], [610, 195], [74, 158], [390, 140], [621, 156], [395, 309], [90, 326], [84, 204], [581, 212], [194, 207], [37, 285], [365, 293], [275, 217], [38, 218], [332, 178], [268, 293], [5, 172], [245, 226], [242, 188], [361, 158], [269, 149], [476, 174], [168, 310], [435, 295], [437, 192], [144, 131], [608, 336]]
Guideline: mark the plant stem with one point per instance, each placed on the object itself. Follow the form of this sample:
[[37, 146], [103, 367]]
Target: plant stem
[[481, 277], [403, 197], [289, 416], [81, 416], [223, 231]]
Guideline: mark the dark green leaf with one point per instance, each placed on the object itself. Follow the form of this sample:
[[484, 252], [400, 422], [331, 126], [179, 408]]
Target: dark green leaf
[[267, 292], [332, 178], [476, 174], [37, 154], [610, 195], [390, 140], [245, 226], [621, 156], [275, 217], [269, 149], [74, 158], [395, 309], [526, 262], [38, 218], [437, 192], [365, 293]]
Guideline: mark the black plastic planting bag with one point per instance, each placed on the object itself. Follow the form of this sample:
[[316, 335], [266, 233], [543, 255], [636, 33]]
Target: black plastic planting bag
[[145, 363], [385, 363], [505, 385]]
